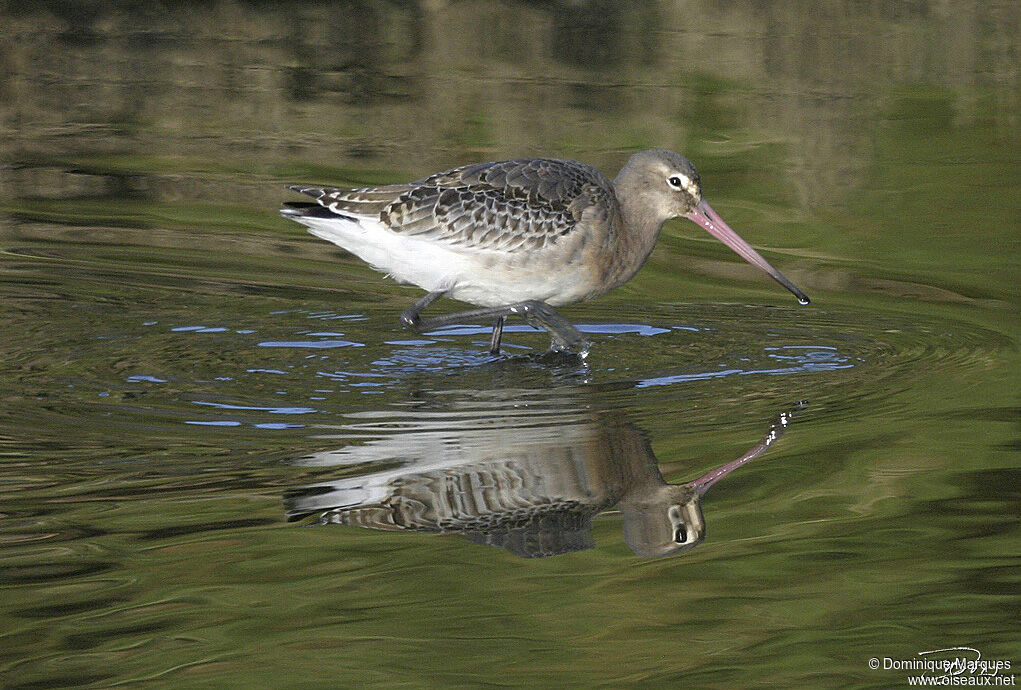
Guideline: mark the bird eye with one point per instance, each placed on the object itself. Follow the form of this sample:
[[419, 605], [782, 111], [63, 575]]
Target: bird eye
[[675, 182], [680, 534]]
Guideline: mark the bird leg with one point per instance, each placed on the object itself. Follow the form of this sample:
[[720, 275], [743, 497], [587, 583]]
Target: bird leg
[[534, 312], [411, 317], [494, 343]]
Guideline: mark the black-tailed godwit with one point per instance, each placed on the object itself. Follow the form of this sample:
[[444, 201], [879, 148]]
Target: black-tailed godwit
[[518, 237]]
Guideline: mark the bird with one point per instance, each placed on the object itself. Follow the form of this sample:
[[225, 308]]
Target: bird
[[518, 237]]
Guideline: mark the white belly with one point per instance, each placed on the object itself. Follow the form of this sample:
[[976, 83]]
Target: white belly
[[483, 277]]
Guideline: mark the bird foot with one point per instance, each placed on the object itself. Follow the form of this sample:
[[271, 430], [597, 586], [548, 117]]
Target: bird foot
[[579, 346]]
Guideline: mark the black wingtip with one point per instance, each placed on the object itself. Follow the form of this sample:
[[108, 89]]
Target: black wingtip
[[307, 209]]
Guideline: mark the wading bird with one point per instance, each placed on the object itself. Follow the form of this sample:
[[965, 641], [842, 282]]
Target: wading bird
[[518, 237]]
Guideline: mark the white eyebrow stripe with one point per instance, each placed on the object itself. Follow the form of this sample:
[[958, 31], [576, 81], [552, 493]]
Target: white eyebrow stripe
[[688, 184]]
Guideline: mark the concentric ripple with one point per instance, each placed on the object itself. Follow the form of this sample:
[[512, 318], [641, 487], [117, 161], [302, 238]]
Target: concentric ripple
[[292, 370]]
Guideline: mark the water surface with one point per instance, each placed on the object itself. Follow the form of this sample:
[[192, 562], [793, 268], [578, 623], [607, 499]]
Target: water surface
[[182, 367]]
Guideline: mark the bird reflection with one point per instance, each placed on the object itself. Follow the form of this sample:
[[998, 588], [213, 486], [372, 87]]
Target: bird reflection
[[530, 482]]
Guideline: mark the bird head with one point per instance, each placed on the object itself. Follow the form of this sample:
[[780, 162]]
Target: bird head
[[667, 185]]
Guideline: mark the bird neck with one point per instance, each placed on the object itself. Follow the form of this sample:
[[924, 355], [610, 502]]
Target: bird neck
[[640, 227]]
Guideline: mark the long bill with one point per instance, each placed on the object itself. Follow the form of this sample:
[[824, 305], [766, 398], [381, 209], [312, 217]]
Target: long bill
[[703, 483], [704, 215]]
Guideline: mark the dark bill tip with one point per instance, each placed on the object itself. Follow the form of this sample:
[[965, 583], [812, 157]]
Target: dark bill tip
[[704, 215]]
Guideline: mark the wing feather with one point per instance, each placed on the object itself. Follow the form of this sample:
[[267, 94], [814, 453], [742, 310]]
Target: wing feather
[[506, 205]]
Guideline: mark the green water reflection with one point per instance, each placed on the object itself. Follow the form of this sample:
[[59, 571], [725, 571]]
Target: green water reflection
[[172, 347]]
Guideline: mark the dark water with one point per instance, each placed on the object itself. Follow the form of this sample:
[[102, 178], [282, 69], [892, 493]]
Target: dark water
[[183, 370]]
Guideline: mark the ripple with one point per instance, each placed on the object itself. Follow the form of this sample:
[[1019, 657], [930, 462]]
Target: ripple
[[151, 371], [271, 410], [145, 377], [314, 344]]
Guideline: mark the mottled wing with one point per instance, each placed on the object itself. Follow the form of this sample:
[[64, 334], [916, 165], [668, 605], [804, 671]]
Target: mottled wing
[[507, 205]]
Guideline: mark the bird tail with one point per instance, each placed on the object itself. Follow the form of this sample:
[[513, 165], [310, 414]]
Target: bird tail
[[306, 209]]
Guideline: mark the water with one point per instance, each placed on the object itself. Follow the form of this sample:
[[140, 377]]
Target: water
[[183, 370]]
